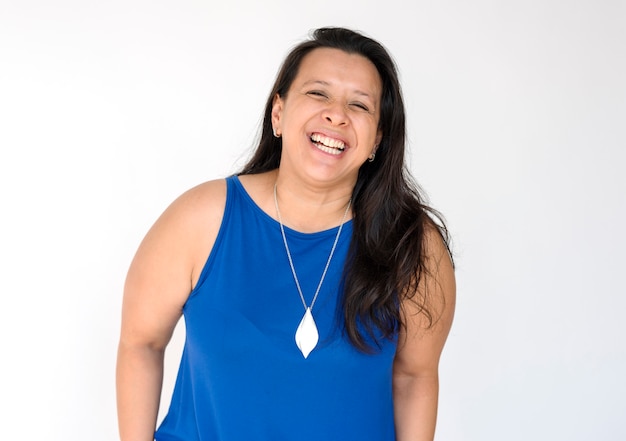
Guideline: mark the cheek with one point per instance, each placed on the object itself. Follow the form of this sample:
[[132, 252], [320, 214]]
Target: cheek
[[369, 130], [296, 114]]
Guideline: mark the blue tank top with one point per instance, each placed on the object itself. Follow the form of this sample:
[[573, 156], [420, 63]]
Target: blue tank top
[[241, 375]]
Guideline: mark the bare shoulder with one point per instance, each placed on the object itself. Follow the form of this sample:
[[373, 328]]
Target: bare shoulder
[[197, 216], [436, 250], [205, 200], [167, 264], [183, 236], [201, 205], [437, 286], [421, 340]]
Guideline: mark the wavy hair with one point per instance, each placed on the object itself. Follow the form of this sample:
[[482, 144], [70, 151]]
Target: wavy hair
[[386, 260]]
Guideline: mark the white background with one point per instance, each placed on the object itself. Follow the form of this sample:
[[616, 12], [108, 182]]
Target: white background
[[517, 116]]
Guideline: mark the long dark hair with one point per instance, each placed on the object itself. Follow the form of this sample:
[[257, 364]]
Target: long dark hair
[[386, 260]]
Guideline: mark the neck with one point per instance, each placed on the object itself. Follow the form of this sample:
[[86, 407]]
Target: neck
[[310, 209]]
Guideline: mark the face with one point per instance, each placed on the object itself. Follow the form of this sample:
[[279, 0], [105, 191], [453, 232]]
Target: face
[[328, 120]]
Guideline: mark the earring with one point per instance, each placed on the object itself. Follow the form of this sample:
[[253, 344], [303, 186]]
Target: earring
[[276, 134], [371, 157]]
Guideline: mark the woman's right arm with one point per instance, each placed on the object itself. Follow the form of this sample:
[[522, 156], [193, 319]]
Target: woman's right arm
[[163, 272]]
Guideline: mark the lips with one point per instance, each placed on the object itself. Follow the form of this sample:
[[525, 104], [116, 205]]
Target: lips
[[328, 145]]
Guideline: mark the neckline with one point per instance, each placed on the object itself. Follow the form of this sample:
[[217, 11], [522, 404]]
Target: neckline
[[275, 223]]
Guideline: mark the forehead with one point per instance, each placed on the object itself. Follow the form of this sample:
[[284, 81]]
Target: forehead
[[335, 67]]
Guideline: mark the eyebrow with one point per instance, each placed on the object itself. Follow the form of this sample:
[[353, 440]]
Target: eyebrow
[[326, 83]]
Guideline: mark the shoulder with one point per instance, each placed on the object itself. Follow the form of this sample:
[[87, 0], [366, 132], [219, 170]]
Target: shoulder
[[199, 209], [438, 268], [203, 199], [168, 261], [428, 310], [197, 216], [432, 302], [185, 232], [170, 257], [202, 203], [435, 243]]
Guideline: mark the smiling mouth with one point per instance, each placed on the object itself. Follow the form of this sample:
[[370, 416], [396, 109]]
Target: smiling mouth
[[328, 145]]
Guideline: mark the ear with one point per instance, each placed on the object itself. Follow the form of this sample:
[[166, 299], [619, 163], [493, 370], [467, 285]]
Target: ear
[[379, 137], [277, 113]]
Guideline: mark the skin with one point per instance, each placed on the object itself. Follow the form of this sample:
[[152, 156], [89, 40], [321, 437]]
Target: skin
[[336, 95], [416, 365]]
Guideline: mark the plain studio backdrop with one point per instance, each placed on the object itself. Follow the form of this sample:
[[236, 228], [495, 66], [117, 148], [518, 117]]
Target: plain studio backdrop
[[516, 117]]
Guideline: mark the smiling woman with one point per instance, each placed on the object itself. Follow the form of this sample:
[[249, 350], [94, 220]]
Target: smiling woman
[[333, 105], [317, 288]]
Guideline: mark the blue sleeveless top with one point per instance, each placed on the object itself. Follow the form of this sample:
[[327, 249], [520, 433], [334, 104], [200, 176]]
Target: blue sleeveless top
[[241, 375]]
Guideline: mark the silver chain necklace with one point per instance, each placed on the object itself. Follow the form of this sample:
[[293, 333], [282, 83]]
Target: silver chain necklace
[[306, 334]]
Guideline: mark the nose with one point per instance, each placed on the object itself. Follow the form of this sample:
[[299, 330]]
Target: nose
[[335, 113]]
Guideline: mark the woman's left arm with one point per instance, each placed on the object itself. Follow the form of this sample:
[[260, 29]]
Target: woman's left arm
[[416, 365]]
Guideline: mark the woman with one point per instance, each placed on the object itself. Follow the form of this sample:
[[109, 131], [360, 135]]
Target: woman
[[317, 291]]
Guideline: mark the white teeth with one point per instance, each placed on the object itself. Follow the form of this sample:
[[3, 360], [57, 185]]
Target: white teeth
[[327, 142], [331, 150]]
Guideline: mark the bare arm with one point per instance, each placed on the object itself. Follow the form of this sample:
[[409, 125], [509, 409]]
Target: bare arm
[[161, 276], [415, 370]]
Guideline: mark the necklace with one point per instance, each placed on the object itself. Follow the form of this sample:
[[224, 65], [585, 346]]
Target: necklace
[[306, 334]]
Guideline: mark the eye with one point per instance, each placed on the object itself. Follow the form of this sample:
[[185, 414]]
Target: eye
[[360, 106], [317, 93]]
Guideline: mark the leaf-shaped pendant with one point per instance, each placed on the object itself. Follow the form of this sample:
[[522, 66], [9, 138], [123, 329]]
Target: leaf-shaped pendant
[[306, 334]]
